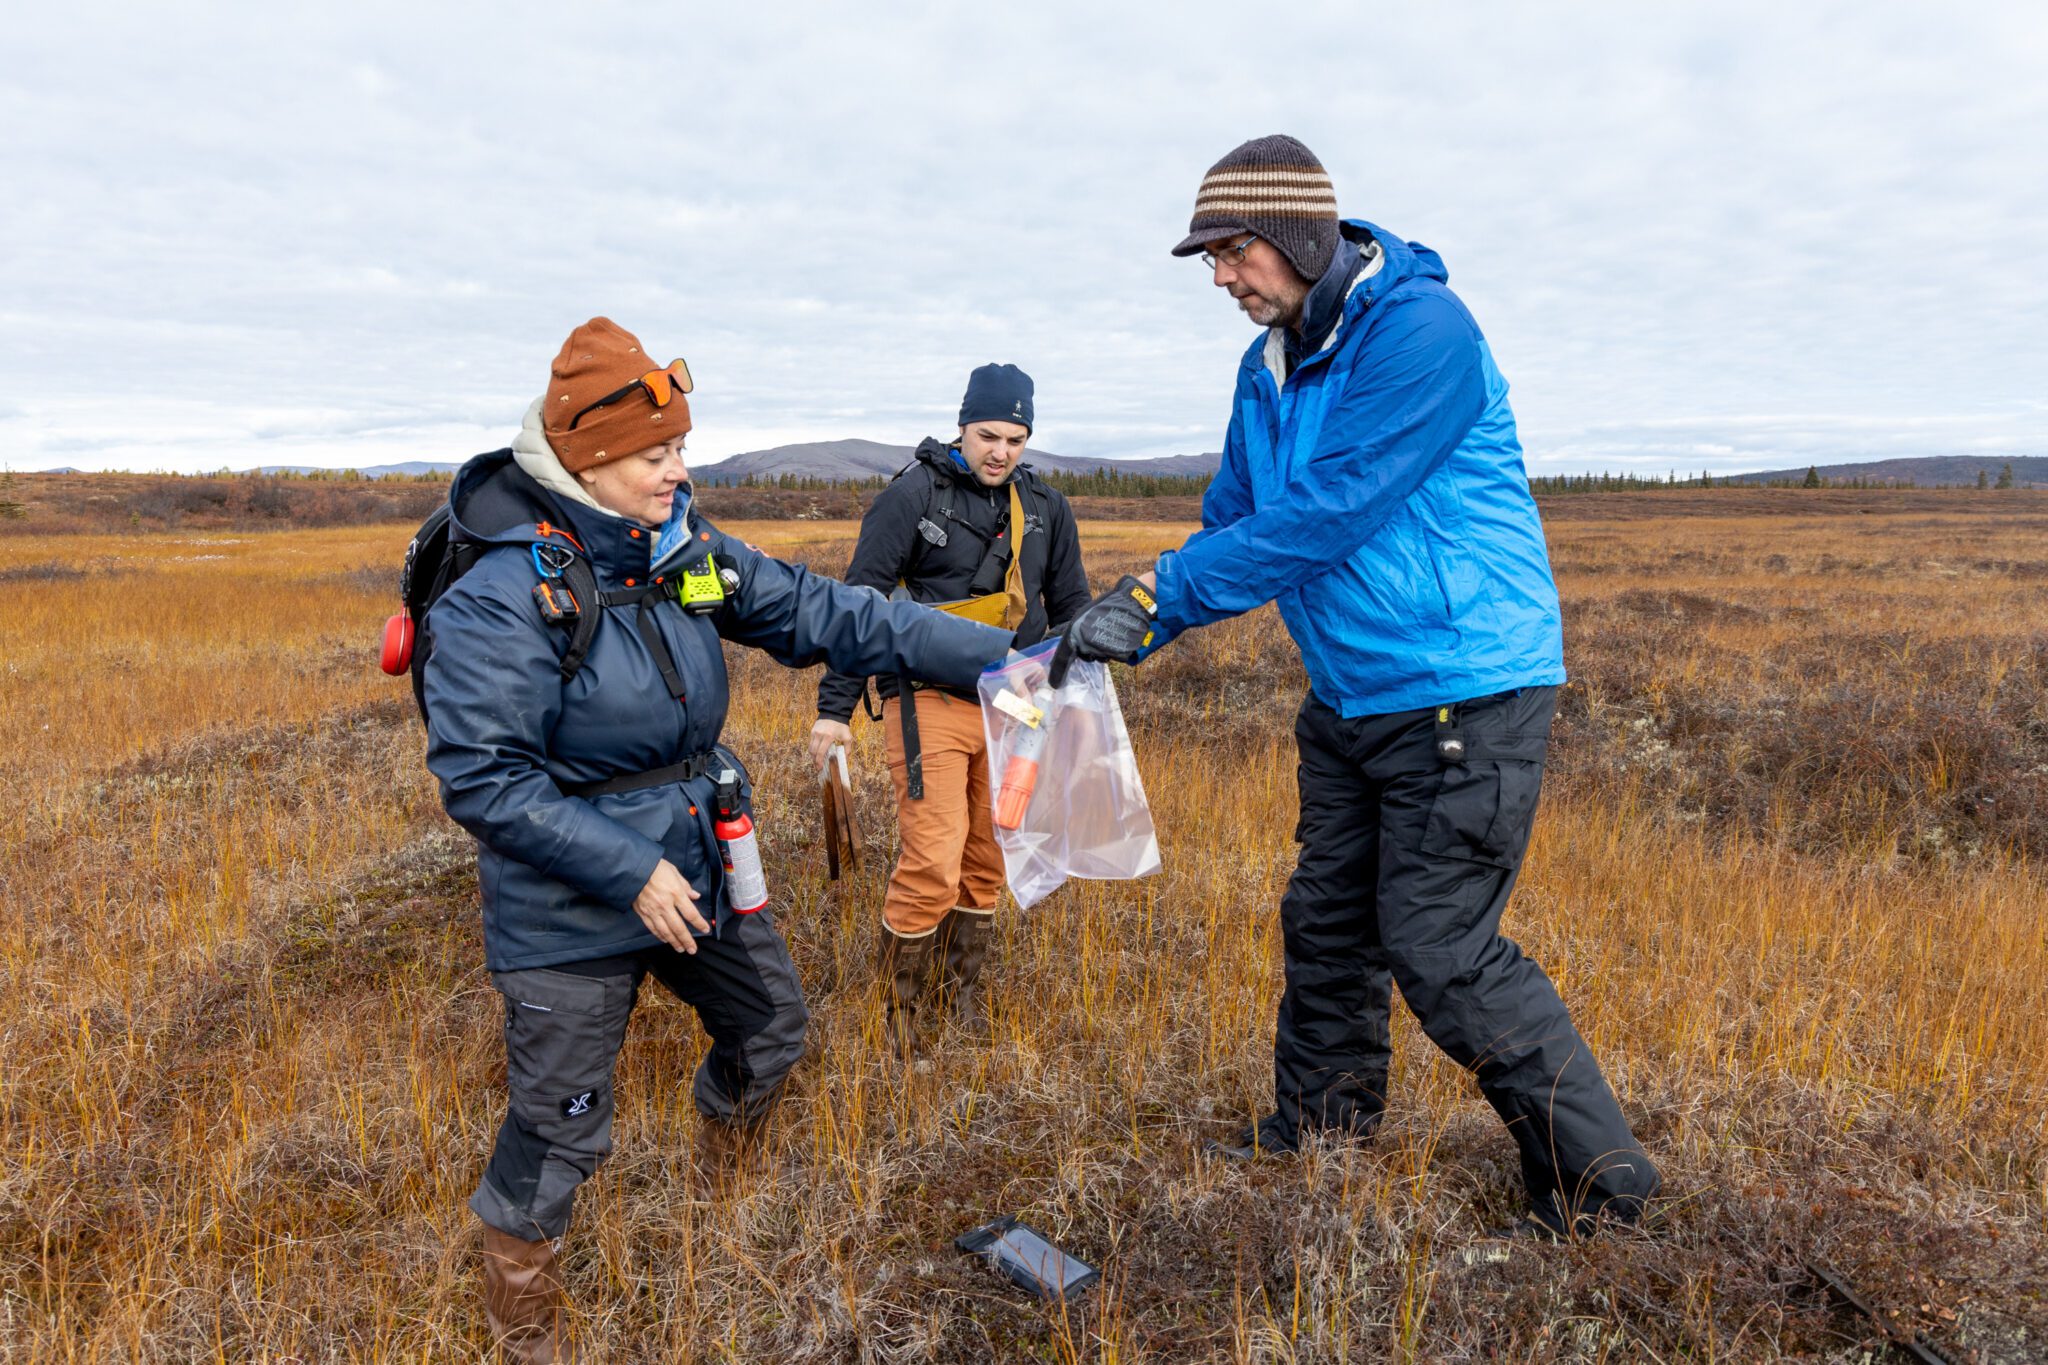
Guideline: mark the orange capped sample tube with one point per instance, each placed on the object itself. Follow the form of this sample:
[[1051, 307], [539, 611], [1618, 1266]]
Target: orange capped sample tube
[[1020, 774]]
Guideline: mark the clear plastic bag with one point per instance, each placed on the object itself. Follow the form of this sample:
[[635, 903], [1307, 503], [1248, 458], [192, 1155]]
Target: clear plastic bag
[[1063, 779]]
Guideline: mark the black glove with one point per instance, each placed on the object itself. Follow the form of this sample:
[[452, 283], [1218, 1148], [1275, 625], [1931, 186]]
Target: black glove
[[1115, 625]]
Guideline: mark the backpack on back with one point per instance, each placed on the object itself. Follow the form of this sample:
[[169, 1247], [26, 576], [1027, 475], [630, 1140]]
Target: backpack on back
[[437, 556], [440, 553]]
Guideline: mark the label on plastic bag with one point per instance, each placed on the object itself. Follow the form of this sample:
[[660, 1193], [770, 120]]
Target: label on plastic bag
[[1018, 709]]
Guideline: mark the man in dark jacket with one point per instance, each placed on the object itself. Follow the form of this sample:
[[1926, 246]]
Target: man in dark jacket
[[969, 528], [1372, 482], [592, 789]]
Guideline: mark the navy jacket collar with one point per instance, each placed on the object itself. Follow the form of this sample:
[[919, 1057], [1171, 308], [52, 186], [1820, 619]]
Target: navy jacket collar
[[1325, 303], [494, 501], [1401, 261], [944, 462]]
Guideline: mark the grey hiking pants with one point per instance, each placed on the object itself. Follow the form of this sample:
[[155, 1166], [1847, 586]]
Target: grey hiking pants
[[563, 1029], [1406, 863]]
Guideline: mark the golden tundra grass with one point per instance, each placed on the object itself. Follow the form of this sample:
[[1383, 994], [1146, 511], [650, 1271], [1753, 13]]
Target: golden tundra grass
[[253, 1064]]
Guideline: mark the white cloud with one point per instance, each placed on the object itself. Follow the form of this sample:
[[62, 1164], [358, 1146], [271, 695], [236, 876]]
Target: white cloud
[[363, 231]]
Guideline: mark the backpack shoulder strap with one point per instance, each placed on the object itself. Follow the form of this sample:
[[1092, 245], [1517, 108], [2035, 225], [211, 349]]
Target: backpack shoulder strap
[[592, 602], [424, 576], [434, 559], [582, 582], [938, 499], [1016, 605], [1038, 495]]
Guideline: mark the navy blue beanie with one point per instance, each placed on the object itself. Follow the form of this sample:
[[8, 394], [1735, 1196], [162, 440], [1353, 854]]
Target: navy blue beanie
[[997, 393]]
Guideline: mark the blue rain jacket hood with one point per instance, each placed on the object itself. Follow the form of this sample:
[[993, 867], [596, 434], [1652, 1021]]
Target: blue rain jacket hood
[[1377, 492], [559, 873]]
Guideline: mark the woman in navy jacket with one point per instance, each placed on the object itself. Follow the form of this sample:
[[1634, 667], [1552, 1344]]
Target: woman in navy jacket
[[592, 788]]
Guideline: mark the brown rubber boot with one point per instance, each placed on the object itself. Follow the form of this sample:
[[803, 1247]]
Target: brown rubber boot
[[524, 1301], [719, 1157], [902, 966], [726, 1152], [962, 947]]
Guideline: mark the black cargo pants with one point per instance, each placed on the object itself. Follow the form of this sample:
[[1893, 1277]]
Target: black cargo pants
[[563, 1029], [1406, 863]]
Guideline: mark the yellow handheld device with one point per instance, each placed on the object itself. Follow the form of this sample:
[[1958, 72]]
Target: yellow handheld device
[[701, 591]]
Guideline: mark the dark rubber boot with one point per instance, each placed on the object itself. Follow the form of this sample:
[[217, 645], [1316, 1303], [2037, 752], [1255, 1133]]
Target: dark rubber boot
[[524, 1301], [1271, 1136], [1545, 1222], [1266, 1138], [962, 948], [902, 966]]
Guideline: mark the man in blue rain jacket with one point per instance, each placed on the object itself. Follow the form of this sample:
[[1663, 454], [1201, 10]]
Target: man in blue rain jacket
[[1372, 483]]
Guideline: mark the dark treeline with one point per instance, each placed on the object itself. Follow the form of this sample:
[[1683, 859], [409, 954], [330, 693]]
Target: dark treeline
[[324, 475], [798, 483], [1114, 483], [1635, 483], [330, 497]]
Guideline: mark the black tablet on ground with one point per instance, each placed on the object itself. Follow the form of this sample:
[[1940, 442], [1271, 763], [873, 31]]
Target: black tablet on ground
[[1028, 1259]]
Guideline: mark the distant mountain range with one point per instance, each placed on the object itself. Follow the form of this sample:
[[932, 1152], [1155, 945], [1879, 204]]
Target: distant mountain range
[[852, 460], [1925, 471], [834, 461]]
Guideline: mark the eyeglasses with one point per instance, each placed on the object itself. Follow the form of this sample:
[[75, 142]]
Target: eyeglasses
[[659, 386], [1230, 255]]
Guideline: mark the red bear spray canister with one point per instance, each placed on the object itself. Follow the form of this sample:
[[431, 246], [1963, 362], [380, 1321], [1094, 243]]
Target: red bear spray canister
[[746, 883]]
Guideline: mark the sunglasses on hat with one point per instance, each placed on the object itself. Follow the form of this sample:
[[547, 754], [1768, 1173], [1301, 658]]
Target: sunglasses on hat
[[659, 386]]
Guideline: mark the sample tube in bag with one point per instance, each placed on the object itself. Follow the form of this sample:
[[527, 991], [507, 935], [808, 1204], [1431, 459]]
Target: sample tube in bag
[[1020, 774]]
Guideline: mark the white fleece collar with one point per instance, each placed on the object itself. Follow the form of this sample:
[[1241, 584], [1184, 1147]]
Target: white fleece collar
[[534, 455], [530, 449]]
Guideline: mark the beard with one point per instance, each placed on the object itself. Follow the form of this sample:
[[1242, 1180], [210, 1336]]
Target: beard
[[1267, 312]]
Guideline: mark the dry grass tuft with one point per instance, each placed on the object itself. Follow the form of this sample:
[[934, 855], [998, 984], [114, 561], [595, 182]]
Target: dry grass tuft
[[1785, 875]]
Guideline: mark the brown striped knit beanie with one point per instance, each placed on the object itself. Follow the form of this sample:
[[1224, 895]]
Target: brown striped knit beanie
[[1275, 187]]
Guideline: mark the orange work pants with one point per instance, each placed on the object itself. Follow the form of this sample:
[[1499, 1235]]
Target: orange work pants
[[950, 858]]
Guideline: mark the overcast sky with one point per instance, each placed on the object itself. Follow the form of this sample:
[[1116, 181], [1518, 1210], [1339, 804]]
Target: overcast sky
[[1698, 236]]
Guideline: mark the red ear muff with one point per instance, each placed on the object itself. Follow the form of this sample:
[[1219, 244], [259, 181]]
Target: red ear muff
[[398, 634]]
